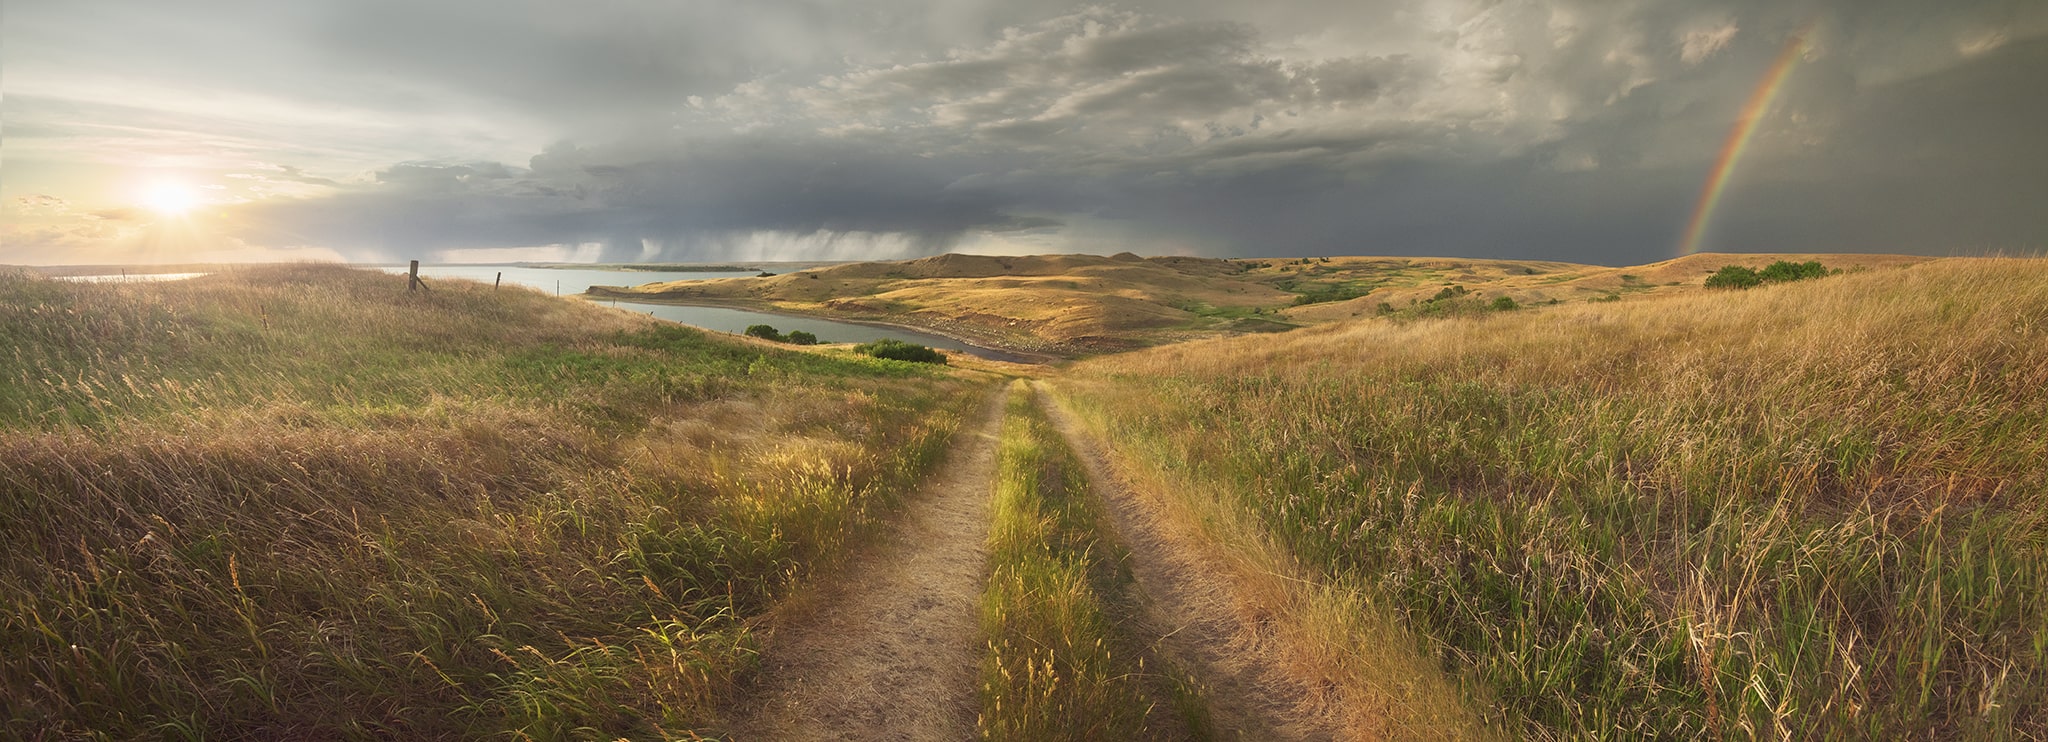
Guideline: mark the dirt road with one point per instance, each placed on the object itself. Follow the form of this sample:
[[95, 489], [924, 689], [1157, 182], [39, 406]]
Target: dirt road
[[888, 649], [1205, 620]]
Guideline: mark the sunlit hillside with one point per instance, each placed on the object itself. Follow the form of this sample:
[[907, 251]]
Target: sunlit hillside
[[1806, 511], [302, 503], [1087, 304]]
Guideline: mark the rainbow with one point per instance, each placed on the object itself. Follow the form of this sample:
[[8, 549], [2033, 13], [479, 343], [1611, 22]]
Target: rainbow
[[1738, 139]]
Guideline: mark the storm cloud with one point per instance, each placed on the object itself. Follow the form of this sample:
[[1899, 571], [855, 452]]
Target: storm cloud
[[1551, 129]]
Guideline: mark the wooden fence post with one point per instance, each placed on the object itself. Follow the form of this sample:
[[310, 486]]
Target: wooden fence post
[[500, 279], [413, 282]]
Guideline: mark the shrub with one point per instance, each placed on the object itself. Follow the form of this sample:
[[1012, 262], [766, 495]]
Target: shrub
[[1784, 270], [799, 337], [1733, 277], [900, 351], [1505, 304], [764, 332], [1452, 291], [1738, 277]]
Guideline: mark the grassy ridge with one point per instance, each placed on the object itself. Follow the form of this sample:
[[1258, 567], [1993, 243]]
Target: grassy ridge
[[1057, 666], [1811, 511], [299, 502]]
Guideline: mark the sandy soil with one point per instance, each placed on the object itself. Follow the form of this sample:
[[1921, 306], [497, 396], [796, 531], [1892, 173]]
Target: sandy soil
[[888, 648], [1206, 622]]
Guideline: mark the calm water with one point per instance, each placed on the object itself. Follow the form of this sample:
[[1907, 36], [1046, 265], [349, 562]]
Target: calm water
[[566, 281], [724, 319], [720, 319], [130, 278]]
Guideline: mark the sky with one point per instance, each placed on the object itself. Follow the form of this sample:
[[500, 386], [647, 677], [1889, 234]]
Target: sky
[[695, 130]]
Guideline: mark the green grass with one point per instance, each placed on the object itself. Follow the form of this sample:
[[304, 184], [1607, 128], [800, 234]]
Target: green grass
[[1811, 511], [1059, 663], [300, 502], [1366, 281], [1449, 301], [1329, 291], [1205, 310]]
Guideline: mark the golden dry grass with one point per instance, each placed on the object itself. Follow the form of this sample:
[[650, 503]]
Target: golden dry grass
[[1318, 646], [1804, 511], [1085, 304], [297, 502], [1056, 303]]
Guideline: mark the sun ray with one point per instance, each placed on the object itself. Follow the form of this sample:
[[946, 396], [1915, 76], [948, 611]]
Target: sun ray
[[170, 198]]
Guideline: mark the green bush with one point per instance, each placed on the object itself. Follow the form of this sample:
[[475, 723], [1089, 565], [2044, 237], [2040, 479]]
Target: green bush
[[1738, 277], [1789, 271], [1452, 291], [1505, 304], [1733, 277], [900, 351], [768, 332]]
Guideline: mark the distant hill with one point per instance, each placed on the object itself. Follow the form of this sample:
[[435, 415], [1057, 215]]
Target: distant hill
[[1088, 304]]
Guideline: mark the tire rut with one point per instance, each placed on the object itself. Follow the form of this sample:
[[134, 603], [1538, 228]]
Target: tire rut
[[1205, 622], [888, 648]]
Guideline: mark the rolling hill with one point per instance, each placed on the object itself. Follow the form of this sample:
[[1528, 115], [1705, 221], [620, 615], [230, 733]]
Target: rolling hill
[[1076, 305]]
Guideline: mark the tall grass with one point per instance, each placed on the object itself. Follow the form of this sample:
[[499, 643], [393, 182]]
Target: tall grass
[[299, 502], [1059, 665], [1813, 511]]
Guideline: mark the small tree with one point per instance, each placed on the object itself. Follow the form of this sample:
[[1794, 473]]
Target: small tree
[[764, 332], [1733, 277], [900, 351], [1785, 270], [799, 337], [1505, 303]]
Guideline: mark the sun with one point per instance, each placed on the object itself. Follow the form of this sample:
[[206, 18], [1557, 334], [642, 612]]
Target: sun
[[170, 198]]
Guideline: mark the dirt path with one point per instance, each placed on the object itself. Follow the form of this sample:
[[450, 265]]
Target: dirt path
[[888, 650], [1205, 621]]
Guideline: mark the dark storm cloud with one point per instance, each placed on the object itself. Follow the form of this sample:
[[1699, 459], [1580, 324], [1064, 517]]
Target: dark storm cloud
[[1950, 161], [1568, 129], [1359, 78], [651, 200]]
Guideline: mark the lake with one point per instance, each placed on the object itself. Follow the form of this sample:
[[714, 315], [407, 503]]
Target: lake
[[573, 281], [562, 281], [129, 277], [725, 319]]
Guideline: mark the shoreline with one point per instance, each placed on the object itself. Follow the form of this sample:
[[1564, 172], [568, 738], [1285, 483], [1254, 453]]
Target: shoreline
[[1008, 355]]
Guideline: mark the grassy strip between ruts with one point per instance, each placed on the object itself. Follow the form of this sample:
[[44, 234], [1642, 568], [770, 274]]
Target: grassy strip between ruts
[[1059, 664], [1812, 511], [298, 502]]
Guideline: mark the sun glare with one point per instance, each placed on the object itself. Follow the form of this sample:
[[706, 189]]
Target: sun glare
[[170, 198]]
